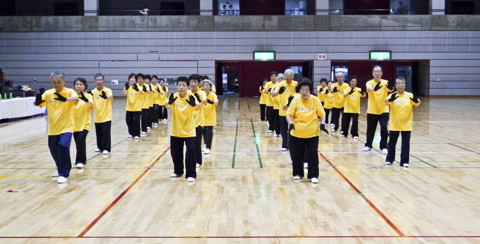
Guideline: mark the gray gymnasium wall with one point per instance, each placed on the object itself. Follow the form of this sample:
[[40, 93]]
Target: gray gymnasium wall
[[454, 67]]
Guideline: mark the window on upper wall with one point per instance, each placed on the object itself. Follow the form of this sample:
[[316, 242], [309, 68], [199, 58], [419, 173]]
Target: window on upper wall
[[404, 7], [263, 7], [41, 8], [462, 7], [149, 7]]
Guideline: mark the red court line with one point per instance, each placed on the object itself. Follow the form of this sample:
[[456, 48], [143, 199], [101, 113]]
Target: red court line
[[226, 237], [463, 148], [120, 196], [394, 227]]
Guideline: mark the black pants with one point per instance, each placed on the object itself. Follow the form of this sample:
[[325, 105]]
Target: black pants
[[276, 125], [80, 138], [145, 119], [59, 146], [163, 112], [270, 118], [327, 112], [346, 123], [372, 120], [103, 131], [208, 136], [297, 151], [133, 122], [392, 143], [262, 111], [336, 117], [150, 113], [282, 120], [156, 113], [198, 145], [176, 144]]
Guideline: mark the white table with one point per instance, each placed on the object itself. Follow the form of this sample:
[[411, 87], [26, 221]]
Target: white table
[[19, 108]]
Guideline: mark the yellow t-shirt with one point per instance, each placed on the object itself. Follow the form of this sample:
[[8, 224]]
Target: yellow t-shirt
[[320, 93], [275, 100], [60, 114], [163, 95], [102, 108], [376, 99], [339, 99], [401, 112], [283, 98], [198, 114], [269, 102], [352, 102], [305, 115], [151, 95], [329, 97], [156, 94], [210, 111], [82, 114], [134, 100], [183, 122], [263, 96], [145, 95]]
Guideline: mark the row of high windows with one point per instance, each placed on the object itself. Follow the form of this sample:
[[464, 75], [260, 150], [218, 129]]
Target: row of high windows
[[234, 7]]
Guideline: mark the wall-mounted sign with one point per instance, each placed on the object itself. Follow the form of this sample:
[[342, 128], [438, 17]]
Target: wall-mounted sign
[[264, 56], [322, 56], [380, 55]]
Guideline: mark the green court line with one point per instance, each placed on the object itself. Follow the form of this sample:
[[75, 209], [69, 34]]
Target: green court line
[[235, 147], [256, 138], [100, 153]]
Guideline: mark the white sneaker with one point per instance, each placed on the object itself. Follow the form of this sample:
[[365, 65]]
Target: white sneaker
[[129, 136], [284, 149], [277, 135], [136, 138], [155, 125], [388, 163], [406, 165], [367, 149], [305, 165], [332, 125], [270, 131], [165, 121], [97, 150], [197, 165], [384, 151], [62, 180], [105, 152], [297, 177], [79, 166], [54, 175], [314, 180], [191, 179], [206, 151], [173, 175], [143, 133], [355, 138], [149, 129]]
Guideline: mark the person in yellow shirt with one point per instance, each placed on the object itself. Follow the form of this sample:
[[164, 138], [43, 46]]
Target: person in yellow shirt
[[263, 99], [401, 119], [149, 102], [302, 116], [183, 105], [60, 102], [269, 103], [377, 111], [133, 107], [210, 115], [198, 116], [82, 121], [328, 104], [144, 89], [102, 110], [156, 100], [276, 105], [352, 108], [339, 100], [320, 91], [205, 77], [282, 92], [163, 101]]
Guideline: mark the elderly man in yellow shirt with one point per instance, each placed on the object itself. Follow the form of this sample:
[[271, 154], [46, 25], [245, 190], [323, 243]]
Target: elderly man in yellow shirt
[[60, 102], [401, 118], [102, 110], [352, 108]]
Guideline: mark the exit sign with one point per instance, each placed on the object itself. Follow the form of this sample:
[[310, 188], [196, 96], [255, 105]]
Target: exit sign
[[322, 56], [380, 55], [264, 56]]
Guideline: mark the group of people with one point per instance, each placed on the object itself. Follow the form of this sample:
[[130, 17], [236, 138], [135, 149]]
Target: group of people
[[193, 117], [293, 111]]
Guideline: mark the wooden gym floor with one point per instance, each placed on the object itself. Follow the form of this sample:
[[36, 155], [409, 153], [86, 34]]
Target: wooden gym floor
[[244, 192]]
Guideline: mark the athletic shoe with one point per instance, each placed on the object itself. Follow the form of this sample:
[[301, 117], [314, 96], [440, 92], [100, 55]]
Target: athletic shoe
[[173, 175], [165, 121], [367, 149], [384, 151], [143, 133], [149, 129], [197, 165], [98, 150], [388, 163], [406, 165], [270, 131], [277, 135], [136, 138], [129, 136], [62, 180], [55, 175], [355, 138], [284, 149], [206, 151], [314, 180], [79, 166], [191, 179], [332, 125], [297, 177], [305, 165], [105, 152]]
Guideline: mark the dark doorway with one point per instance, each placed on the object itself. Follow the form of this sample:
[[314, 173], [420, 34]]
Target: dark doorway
[[360, 7], [66, 9], [263, 7], [244, 77], [172, 8], [462, 7]]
